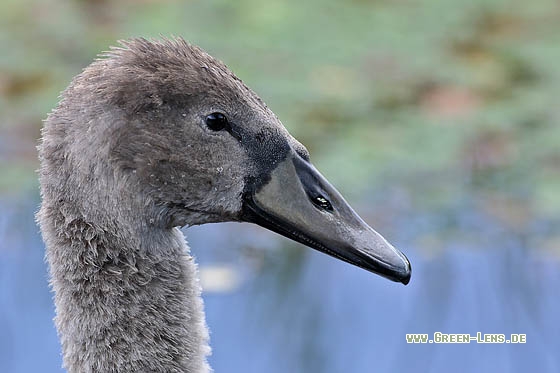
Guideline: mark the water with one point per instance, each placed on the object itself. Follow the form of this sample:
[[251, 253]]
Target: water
[[292, 309]]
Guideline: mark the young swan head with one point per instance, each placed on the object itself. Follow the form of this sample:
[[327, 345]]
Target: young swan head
[[164, 135]]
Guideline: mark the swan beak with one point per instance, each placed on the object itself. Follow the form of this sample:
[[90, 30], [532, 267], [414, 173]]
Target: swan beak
[[299, 203]]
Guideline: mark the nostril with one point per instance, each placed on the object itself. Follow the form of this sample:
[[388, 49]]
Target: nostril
[[321, 202]]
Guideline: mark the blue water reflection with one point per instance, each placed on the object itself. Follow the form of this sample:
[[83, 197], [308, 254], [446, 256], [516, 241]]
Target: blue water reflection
[[296, 310]]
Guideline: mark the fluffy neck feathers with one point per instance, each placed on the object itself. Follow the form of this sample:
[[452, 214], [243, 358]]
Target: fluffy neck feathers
[[123, 303]]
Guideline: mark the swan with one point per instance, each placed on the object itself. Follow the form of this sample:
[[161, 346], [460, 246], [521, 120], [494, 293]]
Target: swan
[[152, 136]]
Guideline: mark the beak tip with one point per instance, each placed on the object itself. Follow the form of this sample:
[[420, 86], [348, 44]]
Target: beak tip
[[405, 279]]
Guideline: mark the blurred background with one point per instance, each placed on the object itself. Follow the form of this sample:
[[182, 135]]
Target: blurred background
[[439, 120]]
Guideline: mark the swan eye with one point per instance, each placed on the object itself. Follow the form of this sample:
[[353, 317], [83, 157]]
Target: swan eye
[[216, 121]]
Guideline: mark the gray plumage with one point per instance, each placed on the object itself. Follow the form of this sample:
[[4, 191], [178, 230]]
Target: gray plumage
[[128, 156], [125, 159]]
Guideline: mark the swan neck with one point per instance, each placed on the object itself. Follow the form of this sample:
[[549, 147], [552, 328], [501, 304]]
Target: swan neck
[[126, 299]]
